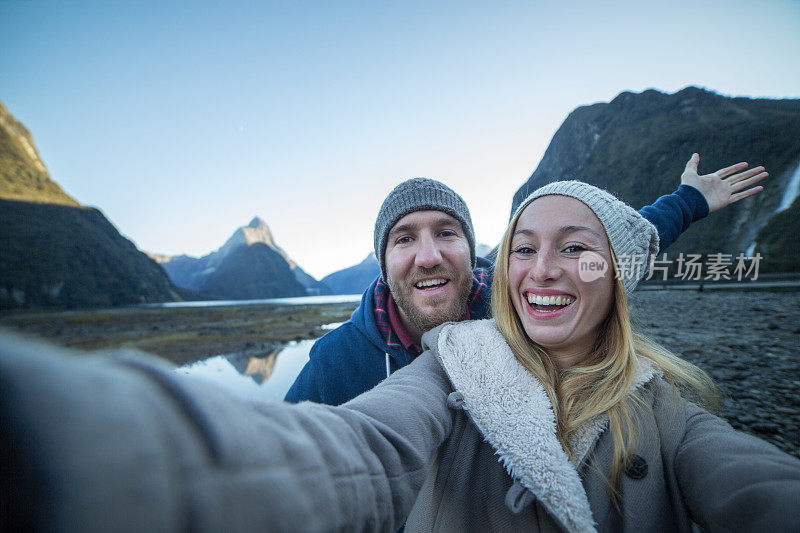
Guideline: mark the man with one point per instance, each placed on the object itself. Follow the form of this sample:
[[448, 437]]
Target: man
[[425, 244]]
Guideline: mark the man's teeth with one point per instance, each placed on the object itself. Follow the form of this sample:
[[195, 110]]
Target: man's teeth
[[430, 283], [549, 300]]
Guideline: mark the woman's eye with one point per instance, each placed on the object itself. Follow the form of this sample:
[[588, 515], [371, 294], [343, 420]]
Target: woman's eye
[[574, 249], [523, 250]]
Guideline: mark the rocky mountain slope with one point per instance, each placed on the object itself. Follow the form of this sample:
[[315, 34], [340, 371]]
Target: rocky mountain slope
[[249, 265], [56, 253], [637, 145], [779, 241]]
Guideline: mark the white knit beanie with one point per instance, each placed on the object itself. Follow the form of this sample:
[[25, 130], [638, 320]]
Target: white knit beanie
[[633, 238]]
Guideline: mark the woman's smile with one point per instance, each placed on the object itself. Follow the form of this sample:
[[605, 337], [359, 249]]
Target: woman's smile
[[548, 304]]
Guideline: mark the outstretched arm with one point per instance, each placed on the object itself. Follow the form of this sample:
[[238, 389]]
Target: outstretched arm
[[697, 196], [726, 186], [731, 481], [111, 442]]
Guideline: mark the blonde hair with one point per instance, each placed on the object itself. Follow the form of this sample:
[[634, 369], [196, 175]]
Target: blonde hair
[[601, 383]]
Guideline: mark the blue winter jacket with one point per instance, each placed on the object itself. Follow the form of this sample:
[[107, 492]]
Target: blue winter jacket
[[353, 358]]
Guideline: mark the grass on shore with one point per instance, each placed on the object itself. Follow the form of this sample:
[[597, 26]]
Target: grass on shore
[[182, 335]]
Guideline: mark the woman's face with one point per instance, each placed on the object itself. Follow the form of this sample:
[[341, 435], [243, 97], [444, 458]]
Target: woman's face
[[557, 283]]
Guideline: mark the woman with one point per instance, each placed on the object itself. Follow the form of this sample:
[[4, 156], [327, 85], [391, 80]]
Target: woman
[[581, 412], [552, 416]]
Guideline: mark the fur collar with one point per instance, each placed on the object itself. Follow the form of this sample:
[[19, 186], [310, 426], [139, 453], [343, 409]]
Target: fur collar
[[513, 413]]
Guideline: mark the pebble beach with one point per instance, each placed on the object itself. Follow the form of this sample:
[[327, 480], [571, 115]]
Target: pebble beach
[[749, 342]]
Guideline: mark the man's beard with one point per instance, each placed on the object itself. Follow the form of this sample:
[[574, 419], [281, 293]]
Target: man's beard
[[402, 292]]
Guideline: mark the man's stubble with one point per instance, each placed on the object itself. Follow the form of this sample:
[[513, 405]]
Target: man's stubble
[[402, 293]]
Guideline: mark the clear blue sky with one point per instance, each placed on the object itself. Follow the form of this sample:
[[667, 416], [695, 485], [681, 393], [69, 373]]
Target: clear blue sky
[[183, 120]]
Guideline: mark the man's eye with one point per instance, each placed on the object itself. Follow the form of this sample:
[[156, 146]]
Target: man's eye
[[447, 233], [403, 240]]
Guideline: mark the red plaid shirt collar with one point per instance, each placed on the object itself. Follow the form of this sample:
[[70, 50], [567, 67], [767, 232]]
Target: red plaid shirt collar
[[391, 327]]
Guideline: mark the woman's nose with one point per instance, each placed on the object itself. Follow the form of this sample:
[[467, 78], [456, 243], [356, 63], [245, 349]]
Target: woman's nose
[[545, 267]]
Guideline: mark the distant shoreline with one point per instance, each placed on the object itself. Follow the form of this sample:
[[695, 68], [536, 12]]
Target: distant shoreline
[[787, 281], [184, 334]]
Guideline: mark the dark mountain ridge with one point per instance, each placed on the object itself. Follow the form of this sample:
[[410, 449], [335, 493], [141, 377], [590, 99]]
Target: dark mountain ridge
[[56, 253], [23, 176], [637, 145]]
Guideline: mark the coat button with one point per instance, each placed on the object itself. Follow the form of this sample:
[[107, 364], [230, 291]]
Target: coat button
[[637, 467], [455, 400]]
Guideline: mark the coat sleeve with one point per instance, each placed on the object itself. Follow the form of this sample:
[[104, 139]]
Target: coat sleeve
[[672, 214], [732, 481], [109, 443]]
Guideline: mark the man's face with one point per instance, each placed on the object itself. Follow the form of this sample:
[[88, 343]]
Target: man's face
[[429, 269]]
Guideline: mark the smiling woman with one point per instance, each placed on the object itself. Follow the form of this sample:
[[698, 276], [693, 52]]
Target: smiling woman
[[584, 414], [583, 351]]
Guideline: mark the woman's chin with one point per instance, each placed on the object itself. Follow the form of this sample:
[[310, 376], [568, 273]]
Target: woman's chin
[[562, 344], [547, 337]]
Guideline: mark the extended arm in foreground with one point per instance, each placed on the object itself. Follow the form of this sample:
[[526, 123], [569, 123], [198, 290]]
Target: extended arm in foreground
[[103, 443]]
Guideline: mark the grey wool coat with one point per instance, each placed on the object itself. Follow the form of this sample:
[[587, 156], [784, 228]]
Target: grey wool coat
[[459, 440], [502, 468]]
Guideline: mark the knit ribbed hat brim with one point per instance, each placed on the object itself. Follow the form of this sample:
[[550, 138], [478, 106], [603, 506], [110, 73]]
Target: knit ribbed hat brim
[[633, 238], [420, 194]]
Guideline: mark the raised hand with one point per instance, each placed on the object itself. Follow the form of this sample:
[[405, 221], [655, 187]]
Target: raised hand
[[725, 186]]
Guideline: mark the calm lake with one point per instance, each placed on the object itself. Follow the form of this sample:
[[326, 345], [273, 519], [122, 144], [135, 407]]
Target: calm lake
[[246, 376]]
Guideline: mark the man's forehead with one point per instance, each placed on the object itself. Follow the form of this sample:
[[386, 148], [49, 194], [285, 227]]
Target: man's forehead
[[427, 217]]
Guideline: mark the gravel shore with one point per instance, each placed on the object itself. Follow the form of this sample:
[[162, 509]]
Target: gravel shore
[[749, 342]]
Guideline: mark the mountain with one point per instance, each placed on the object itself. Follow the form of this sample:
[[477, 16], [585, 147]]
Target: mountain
[[56, 253], [249, 265], [637, 145], [23, 176], [778, 241], [354, 279]]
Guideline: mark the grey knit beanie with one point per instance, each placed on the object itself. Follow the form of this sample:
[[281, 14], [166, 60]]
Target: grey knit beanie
[[633, 238], [420, 194]]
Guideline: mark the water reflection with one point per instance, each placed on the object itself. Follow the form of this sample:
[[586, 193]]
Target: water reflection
[[246, 376], [258, 368]]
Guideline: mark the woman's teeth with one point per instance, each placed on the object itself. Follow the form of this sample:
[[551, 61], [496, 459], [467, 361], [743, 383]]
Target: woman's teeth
[[535, 299]]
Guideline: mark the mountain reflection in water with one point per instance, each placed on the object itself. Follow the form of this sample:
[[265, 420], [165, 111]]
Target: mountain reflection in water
[[244, 376], [268, 375], [257, 367]]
